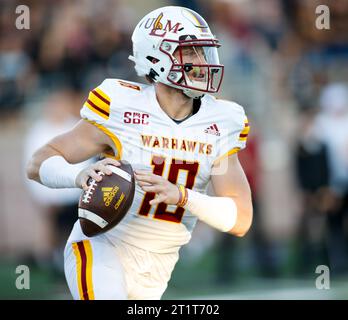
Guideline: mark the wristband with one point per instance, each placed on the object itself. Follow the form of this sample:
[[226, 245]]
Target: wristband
[[56, 172]]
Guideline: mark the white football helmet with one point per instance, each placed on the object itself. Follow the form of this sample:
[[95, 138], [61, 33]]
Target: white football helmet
[[169, 30]]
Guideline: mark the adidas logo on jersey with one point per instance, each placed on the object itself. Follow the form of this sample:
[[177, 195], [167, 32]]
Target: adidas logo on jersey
[[213, 129]]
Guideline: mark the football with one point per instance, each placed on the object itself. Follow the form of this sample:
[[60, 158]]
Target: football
[[105, 203]]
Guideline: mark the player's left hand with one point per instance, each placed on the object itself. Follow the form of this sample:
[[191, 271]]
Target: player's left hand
[[166, 191]]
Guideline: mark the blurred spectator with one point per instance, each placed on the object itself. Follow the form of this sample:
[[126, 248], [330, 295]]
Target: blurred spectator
[[263, 260], [302, 15], [312, 173], [332, 128], [14, 68], [311, 57], [59, 206]]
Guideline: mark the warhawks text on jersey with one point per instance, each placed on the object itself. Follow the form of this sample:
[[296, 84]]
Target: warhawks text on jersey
[[144, 135]]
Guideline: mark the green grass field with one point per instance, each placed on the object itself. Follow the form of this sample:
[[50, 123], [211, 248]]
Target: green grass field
[[188, 282]]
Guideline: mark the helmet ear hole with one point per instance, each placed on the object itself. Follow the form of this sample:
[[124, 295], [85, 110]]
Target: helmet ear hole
[[152, 59]]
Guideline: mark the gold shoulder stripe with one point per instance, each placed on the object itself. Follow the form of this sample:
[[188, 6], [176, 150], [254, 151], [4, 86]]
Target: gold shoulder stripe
[[246, 129], [98, 103], [102, 94], [90, 105], [244, 133]]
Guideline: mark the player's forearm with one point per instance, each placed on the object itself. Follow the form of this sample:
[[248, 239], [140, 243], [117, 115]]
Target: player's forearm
[[50, 168], [244, 216], [33, 166], [222, 213]]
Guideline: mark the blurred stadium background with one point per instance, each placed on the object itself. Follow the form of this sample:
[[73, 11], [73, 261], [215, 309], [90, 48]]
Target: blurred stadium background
[[292, 80]]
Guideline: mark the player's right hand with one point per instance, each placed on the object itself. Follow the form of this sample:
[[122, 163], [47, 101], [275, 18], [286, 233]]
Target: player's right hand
[[92, 172]]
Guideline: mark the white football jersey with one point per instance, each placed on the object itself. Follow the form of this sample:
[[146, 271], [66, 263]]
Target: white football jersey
[[184, 153]]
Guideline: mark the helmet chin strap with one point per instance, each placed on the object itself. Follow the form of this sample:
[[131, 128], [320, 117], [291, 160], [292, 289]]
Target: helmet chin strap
[[193, 93]]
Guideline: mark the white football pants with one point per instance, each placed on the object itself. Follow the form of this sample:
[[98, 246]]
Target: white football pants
[[98, 269]]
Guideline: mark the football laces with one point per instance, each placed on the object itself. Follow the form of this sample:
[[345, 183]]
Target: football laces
[[91, 187]]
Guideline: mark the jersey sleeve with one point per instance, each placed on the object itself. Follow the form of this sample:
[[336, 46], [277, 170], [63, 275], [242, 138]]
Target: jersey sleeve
[[97, 105], [96, 110], [235, 135]]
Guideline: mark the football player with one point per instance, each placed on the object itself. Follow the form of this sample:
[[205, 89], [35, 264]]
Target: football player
[[177, 137]]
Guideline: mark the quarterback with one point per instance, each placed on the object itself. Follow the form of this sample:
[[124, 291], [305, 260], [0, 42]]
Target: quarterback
[[178, 139]]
